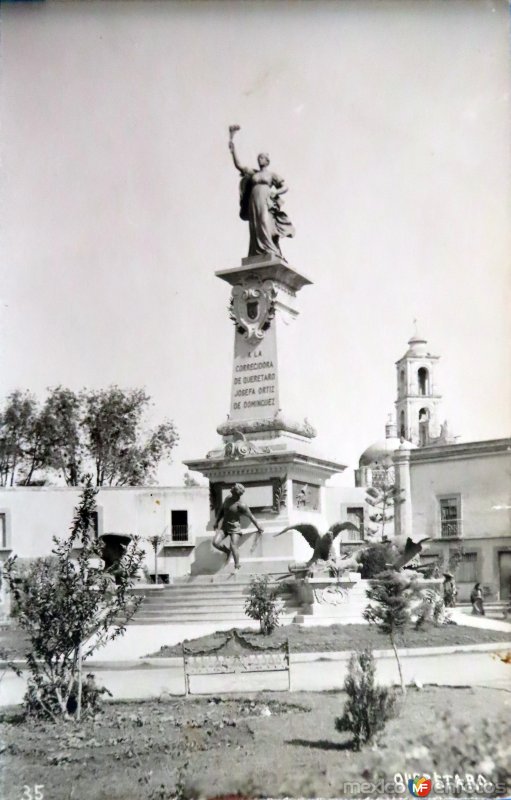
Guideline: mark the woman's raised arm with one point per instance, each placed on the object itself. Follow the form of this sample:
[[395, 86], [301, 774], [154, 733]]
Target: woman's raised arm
[[237, 164]]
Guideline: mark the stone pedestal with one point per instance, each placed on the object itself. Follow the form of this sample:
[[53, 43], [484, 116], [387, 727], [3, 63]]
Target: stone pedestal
[[266, 440], [329, 601], [342, 601]]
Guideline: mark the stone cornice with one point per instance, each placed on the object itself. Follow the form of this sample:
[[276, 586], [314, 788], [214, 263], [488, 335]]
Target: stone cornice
[[264, 464], [266, 267], [278, 423], [427, 357], [461, 450]]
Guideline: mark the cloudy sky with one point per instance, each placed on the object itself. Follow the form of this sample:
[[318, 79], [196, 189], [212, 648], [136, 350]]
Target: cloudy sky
[[390, 122]]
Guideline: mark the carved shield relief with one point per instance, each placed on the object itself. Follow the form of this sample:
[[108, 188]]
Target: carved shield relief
[[253, 307]]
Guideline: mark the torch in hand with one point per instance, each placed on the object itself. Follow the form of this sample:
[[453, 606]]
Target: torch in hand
[[232, 130]]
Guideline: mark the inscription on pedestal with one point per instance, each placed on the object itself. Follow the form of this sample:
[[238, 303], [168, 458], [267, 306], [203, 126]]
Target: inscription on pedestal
[[254, 392]]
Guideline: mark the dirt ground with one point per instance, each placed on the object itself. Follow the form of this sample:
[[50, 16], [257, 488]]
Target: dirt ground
[[264, 745], [343, 637]]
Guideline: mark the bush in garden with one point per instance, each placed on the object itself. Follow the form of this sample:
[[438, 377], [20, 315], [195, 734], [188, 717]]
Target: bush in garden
[[431, 609], [263, 604], [368, 707], [480, 751], [68, 607], [376, 559]]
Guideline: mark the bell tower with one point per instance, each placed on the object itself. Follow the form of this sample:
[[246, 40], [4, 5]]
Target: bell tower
[[418, 400]]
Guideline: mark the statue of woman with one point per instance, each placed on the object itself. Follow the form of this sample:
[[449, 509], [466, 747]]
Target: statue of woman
[[260, 204]]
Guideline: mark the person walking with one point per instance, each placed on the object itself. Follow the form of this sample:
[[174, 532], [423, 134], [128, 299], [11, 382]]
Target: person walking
[[476, 598], [450, 590]]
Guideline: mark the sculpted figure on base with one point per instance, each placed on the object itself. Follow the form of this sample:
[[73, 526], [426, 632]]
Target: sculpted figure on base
[[323, 550], [230, 531], [260, 203]]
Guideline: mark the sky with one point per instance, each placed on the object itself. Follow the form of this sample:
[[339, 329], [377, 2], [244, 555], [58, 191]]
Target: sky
[[390, 122]]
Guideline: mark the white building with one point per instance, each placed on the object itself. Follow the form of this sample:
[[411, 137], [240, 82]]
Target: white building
[[31, 516]]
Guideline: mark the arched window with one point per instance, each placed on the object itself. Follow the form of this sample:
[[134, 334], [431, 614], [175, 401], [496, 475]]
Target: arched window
[[423, 379], [402, 431], [424, 426], [402, 383]]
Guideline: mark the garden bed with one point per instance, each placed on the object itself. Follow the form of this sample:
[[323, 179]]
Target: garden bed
[[333, 638], [266, 745]]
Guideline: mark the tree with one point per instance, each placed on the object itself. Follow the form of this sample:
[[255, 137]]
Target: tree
[[18, 437], [392, 594], [156, 542], [190, 481], [383, 497], [60, 422], [68, 606], [115, 441], [75, 432], [368, 707], [263, 604]]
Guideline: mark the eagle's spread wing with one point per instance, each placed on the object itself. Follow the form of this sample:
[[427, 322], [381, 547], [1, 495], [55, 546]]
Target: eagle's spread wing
[[410, 551], [337, 527], [309, 532]]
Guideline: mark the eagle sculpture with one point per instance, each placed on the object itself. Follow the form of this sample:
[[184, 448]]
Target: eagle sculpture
[[408, 553], [321, 544]]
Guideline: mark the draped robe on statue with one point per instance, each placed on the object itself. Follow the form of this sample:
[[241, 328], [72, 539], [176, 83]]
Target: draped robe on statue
[[267, 221]]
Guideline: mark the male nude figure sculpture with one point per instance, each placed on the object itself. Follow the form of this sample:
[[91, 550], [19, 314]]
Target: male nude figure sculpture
[[230, 513]]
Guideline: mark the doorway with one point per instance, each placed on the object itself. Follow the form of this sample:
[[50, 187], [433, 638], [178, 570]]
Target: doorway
[[505, 575]]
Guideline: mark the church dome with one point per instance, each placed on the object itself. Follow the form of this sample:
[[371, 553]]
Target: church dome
[[383, 449], [417, 346], [380, 451]]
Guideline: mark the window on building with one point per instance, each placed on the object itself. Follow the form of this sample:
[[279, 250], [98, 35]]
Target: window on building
[[402, 384], [355, 514], [467, 568], [402, 429], [423, 380], [3, 530], [179, 521], [450, 522]]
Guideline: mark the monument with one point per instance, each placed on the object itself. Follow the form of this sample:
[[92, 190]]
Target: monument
[[266, 439]]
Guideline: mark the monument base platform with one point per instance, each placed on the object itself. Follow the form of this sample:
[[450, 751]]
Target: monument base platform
[[283, 486], [329, 601]]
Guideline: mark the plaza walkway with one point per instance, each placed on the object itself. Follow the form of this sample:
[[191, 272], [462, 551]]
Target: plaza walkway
[[476, 665], [465, 617]]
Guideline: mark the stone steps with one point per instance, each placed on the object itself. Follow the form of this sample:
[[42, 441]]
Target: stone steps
[[214, 622], [197, 601], [199, 591]]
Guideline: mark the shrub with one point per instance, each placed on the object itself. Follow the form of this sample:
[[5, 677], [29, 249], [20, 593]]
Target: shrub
[[376, 559], [479, 752], [263, 604], [68, 607], [369, 706], [431, 609]]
